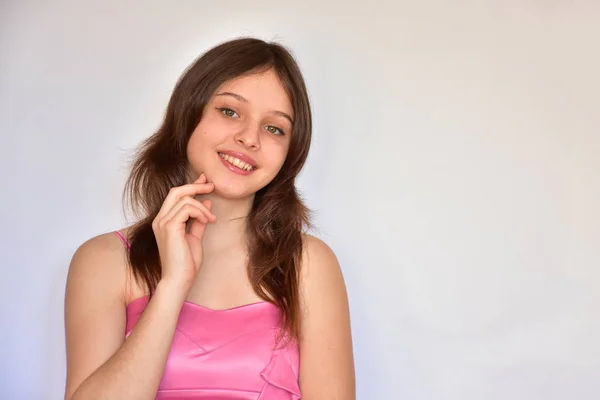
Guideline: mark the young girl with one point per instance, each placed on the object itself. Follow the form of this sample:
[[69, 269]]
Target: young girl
[[216, 292]]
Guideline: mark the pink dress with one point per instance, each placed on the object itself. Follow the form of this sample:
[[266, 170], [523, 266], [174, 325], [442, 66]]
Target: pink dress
[[226, 354]]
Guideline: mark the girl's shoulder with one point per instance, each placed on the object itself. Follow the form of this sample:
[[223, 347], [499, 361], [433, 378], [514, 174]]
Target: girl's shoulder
[[319, 263], [100, 265]]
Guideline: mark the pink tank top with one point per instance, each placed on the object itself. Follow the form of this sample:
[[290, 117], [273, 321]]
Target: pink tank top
[[226, 354]]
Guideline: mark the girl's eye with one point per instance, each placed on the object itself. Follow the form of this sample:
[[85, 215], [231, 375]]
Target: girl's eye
[[227, 111], [275, 130]]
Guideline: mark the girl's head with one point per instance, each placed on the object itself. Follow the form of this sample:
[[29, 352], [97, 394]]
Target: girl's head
[[243, 99]]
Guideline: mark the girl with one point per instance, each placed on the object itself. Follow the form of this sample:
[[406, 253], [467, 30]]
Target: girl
[[216, 292]]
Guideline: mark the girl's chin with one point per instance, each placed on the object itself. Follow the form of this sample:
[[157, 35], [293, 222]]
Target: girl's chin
[[232, 193]]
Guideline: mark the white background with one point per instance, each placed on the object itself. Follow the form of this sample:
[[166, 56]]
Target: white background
[[454, 171]]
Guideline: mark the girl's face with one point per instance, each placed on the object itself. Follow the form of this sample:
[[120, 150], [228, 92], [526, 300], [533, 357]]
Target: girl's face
[[243, 138]]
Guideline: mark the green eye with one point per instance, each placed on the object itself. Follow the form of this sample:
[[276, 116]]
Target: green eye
[[274, 130], [228, 112]]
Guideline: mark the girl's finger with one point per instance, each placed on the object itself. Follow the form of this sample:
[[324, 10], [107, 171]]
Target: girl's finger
[[176, 193], [183, 214], [210, 217]]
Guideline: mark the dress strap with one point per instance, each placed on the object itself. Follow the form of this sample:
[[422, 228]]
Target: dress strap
[[123, 239]]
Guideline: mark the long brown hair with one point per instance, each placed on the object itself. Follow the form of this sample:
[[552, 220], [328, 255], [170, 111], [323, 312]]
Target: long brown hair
[[278, 217]]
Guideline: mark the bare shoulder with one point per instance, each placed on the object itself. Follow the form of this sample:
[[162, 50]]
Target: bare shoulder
[[321, 280], [99, 263], [108, 244], [319, 263]]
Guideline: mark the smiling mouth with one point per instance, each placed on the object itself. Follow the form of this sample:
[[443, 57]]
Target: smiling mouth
[[237, 162]]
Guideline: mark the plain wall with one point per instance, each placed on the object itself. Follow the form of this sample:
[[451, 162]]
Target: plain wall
[[454, 171]]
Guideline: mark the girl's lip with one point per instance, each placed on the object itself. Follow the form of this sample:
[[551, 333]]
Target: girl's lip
[[235, 169], [240, 156]]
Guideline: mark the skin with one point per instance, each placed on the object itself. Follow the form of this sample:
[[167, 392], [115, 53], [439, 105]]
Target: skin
[[205, 265]]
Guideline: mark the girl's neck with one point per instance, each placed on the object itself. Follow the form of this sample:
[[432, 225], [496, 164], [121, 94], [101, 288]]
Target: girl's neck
[[229, 230]]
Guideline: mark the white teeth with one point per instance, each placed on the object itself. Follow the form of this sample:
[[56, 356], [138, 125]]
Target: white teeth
[[237, 162]]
